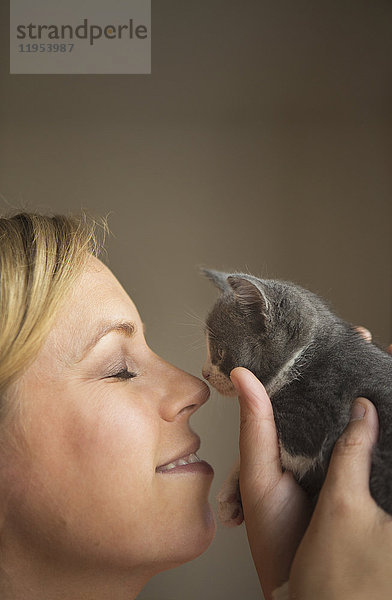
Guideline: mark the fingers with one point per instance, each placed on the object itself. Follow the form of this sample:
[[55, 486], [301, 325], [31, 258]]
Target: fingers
[[259, 448], [349, 468], [365, 333]]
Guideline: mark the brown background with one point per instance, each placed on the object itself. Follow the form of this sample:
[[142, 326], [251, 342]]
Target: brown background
[[260, 142]]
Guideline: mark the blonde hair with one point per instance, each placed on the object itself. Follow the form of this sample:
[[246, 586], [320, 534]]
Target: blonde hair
[[40, 258]]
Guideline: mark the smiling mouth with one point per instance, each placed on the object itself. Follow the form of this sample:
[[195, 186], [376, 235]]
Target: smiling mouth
[[184, 460]]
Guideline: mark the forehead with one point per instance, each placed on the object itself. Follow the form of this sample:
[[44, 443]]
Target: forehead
[[222, 311], [96, 297]]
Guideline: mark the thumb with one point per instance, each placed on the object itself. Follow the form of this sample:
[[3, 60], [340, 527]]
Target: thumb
[[349, 468], [259, 447]]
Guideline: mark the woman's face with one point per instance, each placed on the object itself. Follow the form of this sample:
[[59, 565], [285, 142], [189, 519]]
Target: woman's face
[[90, 490]]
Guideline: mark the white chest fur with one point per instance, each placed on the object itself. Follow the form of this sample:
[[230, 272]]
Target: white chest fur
[[299, 465]]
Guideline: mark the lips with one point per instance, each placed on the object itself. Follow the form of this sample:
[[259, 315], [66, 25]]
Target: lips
[[184, 460], [187, 456]]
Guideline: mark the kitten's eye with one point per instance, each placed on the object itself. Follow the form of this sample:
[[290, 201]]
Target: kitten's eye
[[220, 353], [124, 374]]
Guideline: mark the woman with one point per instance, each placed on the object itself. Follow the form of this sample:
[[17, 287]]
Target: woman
[[100, 483]]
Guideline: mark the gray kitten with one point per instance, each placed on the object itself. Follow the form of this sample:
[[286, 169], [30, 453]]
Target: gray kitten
[[313, 365]]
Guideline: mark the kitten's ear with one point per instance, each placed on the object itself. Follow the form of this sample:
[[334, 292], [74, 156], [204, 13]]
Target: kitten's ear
[[248, 294], [217, 277]]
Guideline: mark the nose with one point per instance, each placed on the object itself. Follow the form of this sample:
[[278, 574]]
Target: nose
[[205, 372], [182, 393]]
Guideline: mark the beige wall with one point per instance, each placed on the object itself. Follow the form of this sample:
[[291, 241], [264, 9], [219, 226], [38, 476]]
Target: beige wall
[[261, 141]]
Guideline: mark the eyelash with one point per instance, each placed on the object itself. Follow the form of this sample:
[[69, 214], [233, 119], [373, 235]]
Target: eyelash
[[123, 375]]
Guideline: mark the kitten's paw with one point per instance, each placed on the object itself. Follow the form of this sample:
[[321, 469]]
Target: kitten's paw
[[230, 511], [282, 592]]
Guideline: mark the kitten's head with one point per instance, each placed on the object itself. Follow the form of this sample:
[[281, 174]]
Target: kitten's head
[[257, 324]]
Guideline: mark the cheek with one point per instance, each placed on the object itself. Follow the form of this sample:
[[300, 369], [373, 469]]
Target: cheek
[[118, 431], [217, 379], [92, 492], [94, 458], [114, 445], [220, 382]]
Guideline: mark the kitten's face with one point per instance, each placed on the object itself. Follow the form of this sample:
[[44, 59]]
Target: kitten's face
[[251, 326], [233, 339], [212, 372]]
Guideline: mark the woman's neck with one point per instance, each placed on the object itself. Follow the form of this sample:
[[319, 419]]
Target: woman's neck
[[27, 577]]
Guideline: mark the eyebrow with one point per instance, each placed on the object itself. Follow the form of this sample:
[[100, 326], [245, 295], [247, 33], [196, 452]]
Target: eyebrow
[[126, 328]]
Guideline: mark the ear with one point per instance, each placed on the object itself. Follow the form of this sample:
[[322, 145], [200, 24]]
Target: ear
[[248, 294], [217, 277]]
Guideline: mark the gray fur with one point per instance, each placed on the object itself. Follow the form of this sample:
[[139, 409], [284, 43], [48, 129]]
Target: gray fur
[[217, 277], [313, 364]]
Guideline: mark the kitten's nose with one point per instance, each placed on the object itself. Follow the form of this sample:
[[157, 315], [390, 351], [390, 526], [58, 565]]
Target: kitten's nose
[[205, 372]]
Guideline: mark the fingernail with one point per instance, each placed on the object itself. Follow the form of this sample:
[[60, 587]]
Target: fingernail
[[234, 382], [358, 411]]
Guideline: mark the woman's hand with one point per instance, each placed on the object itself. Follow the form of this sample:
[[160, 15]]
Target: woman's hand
[[346, 551], [276, 509]]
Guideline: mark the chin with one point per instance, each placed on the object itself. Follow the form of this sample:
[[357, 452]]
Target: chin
[[209, 529], [203, 532], [224, 387], [195, 539]]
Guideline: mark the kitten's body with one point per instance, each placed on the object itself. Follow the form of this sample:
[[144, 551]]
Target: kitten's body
[[313, 409], [313, 365]]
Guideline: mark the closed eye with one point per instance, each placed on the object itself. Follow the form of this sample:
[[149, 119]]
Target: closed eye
[[124, 374]]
